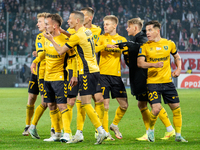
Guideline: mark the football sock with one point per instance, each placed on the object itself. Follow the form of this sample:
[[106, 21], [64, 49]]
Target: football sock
[[60, 119], [70, 114], [165, 119], [152, 121], [177, 119], [80, 115], [118, 115], [105, 120], [55, 120], [145, 116], [29, 114], [92, 115], [66, 120], [99, 108], [38, 113]]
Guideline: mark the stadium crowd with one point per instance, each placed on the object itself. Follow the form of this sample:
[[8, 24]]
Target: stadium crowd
[[183, 21]]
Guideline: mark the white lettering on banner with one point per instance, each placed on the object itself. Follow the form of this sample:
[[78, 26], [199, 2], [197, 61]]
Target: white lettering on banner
[[189, 81], [191, 59]]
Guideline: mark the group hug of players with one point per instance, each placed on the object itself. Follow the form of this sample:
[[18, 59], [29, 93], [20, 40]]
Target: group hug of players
[[79, 64]]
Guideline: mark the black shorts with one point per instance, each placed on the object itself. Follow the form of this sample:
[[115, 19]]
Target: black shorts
[[41, 86], [55, 91], [167, 90], [113, 84], [72, 92], [142, 97], [88, 83], [33, 85], [98, 88]]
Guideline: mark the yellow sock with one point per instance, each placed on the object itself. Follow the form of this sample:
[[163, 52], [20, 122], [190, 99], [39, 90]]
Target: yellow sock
[[81, 114], [70, 114], [92, 115], [55, 120], [29, 113], [99, 108], [118, 115], [152, 121], [60, 119], [177, 119], [65, 119], [145, 116], [164, 117], [38, 113], [105, 120]]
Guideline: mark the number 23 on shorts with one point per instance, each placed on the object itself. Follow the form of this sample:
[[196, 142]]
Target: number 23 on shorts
[[153, 95]]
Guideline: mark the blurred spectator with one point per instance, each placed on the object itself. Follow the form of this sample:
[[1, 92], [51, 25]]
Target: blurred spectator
[[22, 73], [195, 44], [190, 16], [4, 70], [181, 45], [189, 70], [194, 30]]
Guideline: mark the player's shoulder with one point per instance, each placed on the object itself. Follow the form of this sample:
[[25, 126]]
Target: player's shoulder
[[71, 31], [96, 27], [40, 36], [121, 37], [163, 40]]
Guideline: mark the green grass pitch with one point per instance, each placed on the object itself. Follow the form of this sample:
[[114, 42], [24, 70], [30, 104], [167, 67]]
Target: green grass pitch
[[12, 122]]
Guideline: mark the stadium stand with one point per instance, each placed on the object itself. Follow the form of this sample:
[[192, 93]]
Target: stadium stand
[[183, 20]]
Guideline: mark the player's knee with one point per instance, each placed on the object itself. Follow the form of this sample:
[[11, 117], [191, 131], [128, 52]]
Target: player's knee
[[124, 107], [155, 111], [31, 99], [142, 105], [106, 106], [44, 105]]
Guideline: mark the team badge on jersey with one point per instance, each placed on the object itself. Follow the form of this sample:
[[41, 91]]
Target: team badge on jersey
[[51, 45], [39, 45], [140, 50], [95, 36], [165, 47], [119, 41]]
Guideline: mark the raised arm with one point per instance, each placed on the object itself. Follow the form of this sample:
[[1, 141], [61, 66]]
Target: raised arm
[[60, 50], [64, 32]]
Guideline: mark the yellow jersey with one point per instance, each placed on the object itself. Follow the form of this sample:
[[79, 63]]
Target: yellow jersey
[[39, 45], [109, 58], [55, 63], [69, 63], [85, 49], [155, 52], [96, 31]]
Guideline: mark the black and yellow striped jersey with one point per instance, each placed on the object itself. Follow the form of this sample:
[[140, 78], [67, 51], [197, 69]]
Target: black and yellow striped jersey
[[85, 49]]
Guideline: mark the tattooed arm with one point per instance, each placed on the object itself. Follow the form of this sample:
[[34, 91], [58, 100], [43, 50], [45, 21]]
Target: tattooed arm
[[177, 59]]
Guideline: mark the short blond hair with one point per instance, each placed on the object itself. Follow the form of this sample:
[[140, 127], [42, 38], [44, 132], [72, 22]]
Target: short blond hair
[[44, 14], [112, 18], [137, 21]]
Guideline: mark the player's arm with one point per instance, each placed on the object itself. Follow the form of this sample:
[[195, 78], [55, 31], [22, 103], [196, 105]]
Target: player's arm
[[74, 80], [39, 58], [177, 60], [64, 32], [143, 64], [59, 49]]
